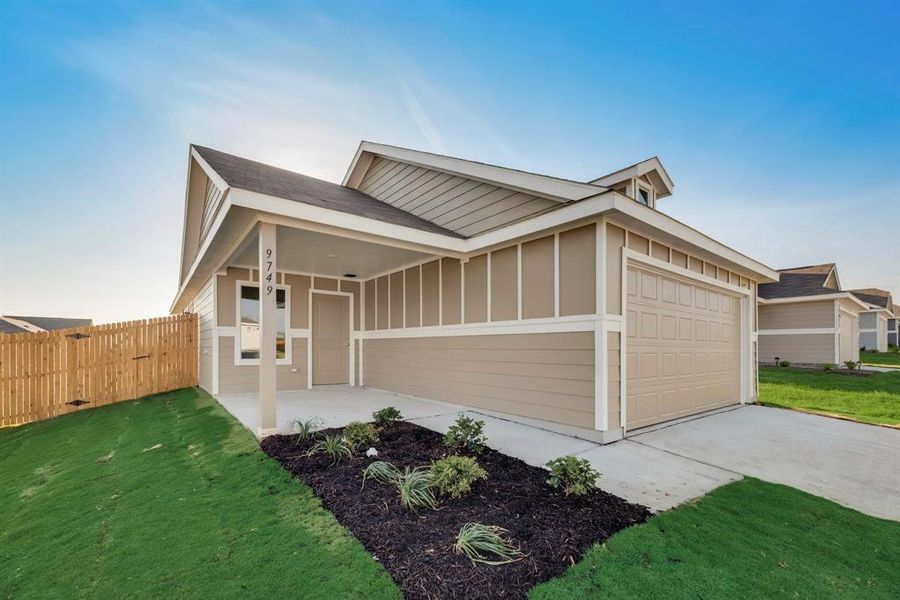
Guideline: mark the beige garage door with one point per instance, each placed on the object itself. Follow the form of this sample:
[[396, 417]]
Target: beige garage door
[[683, 348]]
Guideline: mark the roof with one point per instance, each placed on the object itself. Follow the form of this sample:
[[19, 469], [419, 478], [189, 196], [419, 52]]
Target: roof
[[51, 323], [259, 177], [7, 327], [651, 167], [799, 281], [874, 296]]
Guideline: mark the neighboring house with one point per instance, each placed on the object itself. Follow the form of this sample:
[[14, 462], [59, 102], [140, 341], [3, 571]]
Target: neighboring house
[[805, 317], [10, 324], [893, 327], [873, 322], [543, 299]]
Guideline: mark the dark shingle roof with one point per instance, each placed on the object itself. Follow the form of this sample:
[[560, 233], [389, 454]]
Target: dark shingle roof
[[799, 281], [51, 323], [258, 177], [873, 296]]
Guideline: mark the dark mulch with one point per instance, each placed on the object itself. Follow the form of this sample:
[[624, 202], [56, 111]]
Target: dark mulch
[[553, 530]]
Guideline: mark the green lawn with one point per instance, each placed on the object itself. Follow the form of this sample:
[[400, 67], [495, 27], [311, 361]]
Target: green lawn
[[749, 539], [884, 359], [93, 507], [169, 497], [874, 399]]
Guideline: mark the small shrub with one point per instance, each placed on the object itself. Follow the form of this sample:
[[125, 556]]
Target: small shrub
[[828, 367], [305, 430], [382, 472], [332, 445], [386, 417], [574, 475], [851, 364], [455, 475], [466, 434], [415, 489], [785, 363], [477, 541], [358, 434]]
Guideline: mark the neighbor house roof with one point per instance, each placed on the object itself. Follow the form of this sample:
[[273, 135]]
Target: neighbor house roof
[[875, 296], [255, 176], [799, 281], [19, 324]]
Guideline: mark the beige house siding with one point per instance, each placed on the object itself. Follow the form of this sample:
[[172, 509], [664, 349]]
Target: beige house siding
[[369, 307], [849, 337], [799, 315], [542, 376], [504, 284], [475, 271], [411, 302], [614, 362], [204, 307], [577, 271], [236, 379], [451, 285], [868, 320], [431, 290], [814, 348], [537, 278]]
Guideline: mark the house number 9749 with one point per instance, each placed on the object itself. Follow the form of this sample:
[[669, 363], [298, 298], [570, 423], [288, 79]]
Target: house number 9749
[[269, 286]]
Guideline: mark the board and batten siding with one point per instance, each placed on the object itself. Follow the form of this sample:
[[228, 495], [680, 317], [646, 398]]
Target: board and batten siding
[[459, 204], [548, 376], [237, 379]]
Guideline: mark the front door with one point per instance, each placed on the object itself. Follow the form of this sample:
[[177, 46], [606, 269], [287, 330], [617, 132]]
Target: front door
[[330, 339]]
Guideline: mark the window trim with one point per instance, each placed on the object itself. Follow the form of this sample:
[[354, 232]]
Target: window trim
[[650, 199], [238, 359]]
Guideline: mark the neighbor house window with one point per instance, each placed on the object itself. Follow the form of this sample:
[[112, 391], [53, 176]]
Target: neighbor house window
[[249, 322]]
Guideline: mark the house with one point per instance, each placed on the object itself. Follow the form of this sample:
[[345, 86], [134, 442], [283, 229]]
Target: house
[[893, 327], [577, 305], [10, 324], [873, 323], [805, 317]]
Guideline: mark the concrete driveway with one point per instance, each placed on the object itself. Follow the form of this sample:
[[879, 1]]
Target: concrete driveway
[[853, 464]]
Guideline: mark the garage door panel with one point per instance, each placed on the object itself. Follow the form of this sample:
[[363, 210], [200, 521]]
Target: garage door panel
[[683, 348]]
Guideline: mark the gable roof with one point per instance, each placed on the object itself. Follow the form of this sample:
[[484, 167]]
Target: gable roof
[[799, 281], [652, 168], [7, 327], [874, 296], [253, 176]]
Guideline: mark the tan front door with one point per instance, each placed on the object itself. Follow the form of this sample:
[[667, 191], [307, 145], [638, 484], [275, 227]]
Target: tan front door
[[330, 339], [683, 348]]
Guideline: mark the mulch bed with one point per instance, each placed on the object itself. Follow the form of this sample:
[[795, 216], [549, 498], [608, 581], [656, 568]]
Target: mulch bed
[[553, 530]]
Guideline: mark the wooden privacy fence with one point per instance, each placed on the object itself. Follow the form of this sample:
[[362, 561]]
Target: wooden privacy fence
[[43, 375]]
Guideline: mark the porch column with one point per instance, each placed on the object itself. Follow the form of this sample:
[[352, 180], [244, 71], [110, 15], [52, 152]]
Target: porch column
[[268, 401]]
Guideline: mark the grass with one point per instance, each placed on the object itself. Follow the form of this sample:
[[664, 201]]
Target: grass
[[165, 497], [874, 399], [749, 539], [880, 359]]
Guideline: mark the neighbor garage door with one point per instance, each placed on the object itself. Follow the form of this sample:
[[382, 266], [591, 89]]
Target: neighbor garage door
[[683, 348]]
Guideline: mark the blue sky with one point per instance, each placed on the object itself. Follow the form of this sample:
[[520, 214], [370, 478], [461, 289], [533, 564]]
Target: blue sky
[[773, 120]]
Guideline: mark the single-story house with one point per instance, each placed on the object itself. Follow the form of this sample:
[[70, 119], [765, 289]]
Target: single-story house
[[805, 317], [11, 324], [578, 305], [873, 322], [894, 327]]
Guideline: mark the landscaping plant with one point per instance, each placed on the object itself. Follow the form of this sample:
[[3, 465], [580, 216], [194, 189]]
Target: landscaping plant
[[785, 363], [332, 445], [476, 541], [454, 475], [466, 434], [381, 471], [851, 364], [358, 434], [574, 475], [386, 417], [305, 430], [415, 489], [828, 367]]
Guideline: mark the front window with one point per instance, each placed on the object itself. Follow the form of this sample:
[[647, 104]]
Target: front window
[[250, 322]]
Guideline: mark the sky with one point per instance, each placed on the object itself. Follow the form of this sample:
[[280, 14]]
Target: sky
[[779, 123]]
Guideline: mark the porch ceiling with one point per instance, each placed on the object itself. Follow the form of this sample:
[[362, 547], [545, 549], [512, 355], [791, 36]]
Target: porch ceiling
[[320, 253]]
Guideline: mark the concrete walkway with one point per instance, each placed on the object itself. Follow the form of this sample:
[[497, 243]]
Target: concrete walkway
[[850, 463], [853, 464]]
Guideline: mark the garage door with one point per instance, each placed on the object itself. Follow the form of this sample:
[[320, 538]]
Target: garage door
[[683, 348]]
